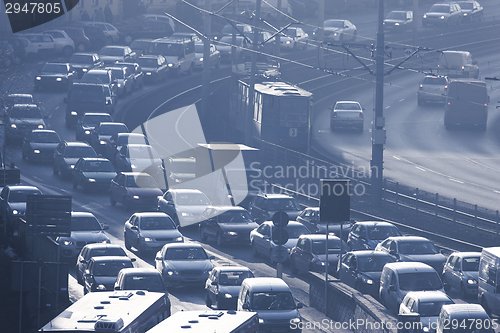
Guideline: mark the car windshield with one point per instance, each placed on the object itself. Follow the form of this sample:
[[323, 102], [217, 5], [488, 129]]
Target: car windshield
[[233, 278], [85, 223], [396, 15], [143, 181], [98, 166], [235, 216], [348, 106], [431, 309], [296, 230], [21, 195], [148, 62], [45, 137], [94, 120], [198, 48], [25, 112], [82, 59], [112, 51], [191, 199], [420, 281], [19, 99], [110, 268], [274, 300], [282, 204], [440, 9], [319, 246], [108, 251], [54, 68], [373, 263], [334, 24], [434, 80], [97, 78], [415, 248], [470, 264], [77, 152], [382, 232], [170, 49], [149, 282], [87, 92], [157, 223], [186, 253], [110, 129]]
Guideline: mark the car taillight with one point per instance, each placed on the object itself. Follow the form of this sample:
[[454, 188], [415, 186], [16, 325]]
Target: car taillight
[[446, 87], [421, 87]]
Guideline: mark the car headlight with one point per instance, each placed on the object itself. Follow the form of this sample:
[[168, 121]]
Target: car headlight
[[149, 73], [201, 59], [261, 321], [13, 126], [15, 212], [38, 78], [91, 180], [288, 42], [170, 65], [74, 113], [425, 16], [442, 17], [101, 287], [36, 151], [71, 166], [58, 79], [133, 166], [367, 280], [106, 241], [471, 281], [40, 126], [295, 321], [119, 85], [465, 14], [179, 239], [184, 214], [396, 23], [84, 70], [228, 296], [135, 197], [170, 273], [87, 132], [148, 239], [231, 233], [102, 142], [67, 242]]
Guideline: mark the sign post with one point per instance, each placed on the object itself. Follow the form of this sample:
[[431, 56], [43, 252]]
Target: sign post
[[279, 236]]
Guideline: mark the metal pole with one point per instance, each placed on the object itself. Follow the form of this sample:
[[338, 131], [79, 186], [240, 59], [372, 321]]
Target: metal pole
[[378, 132], [205, 90], [321, 32], [326, 268], [278, 38], [21, 298], [233, 36]]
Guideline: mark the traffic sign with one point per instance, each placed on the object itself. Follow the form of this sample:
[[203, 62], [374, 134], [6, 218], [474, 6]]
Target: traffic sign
[[279, 254], [280, 235], [280, 219]]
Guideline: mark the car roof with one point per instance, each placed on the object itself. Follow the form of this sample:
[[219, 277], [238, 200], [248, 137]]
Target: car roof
[[356, 102], [114, 47], [318, 236], [275, 196], [231, 268], [453, 51], [150, 214], [374, 223], [266, 284], [96, 114], [223, 209], [408, 239], [103, 246], [429, 296], [43, 131], [110, 258], [184, 190], [181, 245], [76, 144], [370, 253], [466, 254], [22, 188], [131, 134], [409, 267], [25, 106], [290, 223], [149, 56], [466, 308], [20, 95], [135, 174], [85, 53], [94, 159], [97, 71], [139, 271], [82, 214]]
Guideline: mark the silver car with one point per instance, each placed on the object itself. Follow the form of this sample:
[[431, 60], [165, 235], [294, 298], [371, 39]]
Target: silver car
[[347, 114], [460, 273], [432, 89]]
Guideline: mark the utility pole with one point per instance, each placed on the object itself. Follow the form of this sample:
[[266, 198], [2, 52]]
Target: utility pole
[[378, 130], [321, 32], [233, 36], [278, 38], [253, 72], [205, 89]]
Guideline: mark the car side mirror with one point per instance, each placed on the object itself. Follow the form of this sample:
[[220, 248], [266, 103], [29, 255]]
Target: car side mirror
[[245, 307], [105, 227], [133, 259], [158, 258], [300, 305], [211, 257], [134, 228], [214, 283]]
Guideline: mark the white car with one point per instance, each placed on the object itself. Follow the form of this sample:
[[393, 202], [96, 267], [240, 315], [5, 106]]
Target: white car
[[37, 44], [347, 114], [110, 31], [432, 89], [225, 44], [339, 31], [214, 59], [63, 43], [296, 38]]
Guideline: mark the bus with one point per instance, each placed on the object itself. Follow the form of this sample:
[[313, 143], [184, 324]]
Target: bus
[[281, 114], [209, 321], [120, 311]]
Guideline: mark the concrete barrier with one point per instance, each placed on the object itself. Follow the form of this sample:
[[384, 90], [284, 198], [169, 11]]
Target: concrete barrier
[[348, 307]]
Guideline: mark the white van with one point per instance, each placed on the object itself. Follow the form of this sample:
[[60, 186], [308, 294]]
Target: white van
[[464, 318], [273, 301], [489, 280], [399, 278], [179, 52]]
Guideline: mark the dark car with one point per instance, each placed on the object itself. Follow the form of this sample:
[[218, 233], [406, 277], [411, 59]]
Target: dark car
[[155, 67], [367, 234], [21, 119], [83, 62], [443, 14], [461, 273], [134, 189], [85, 229], [124, 79], [54, 75], [183, 264], [136, 73], [472, 11], [310, 253], [149, 231], [113, 53], [310, 218], [264, 206], [81, 40], [101, 76], [184, 206], [141, 46], [139, 157], [93, 173], [413, 248], [96, 250], [97, 37], [226, 225], [12, 99], [119, 140], [40, 145], [67, 154], [224, 284], [87, 123], [141, 279], [83, 97], [102, 272], [399, 20], [13, 201], [362, 270], [103, 132]]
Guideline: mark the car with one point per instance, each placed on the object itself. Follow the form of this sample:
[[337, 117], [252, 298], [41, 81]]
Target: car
[[399, 20], [181, 169], [96, 250], [79, 37], [119, 140], [155, 67], [149, 231], [101, 76], [96, 36], [141, 46], [223, 286], [472, 11], [13, 201], [83, 97], [54, 75], [460, 273], [309, 254], [362, 270], [91, 173], [296, 38], [37, 44], [179, 53], [86, 124], [432, 88], [103, 132], [67, 154], [184, 206], [62, 42], [310, 218], [413, 248], [148, 279], [183, 264], [264, 206], [12, 99], [124, 79], [336, 30], [21, 119], [457, 64], [138, 27], [426, 305], [134, 190], [261, 238], [443, 14], [225, 225], [187, 35], [347, 114], [366, 235], [40, 145], [85, 229], [113, 53], [109, 31], [136, 73], [462, 314], [214, 56], [83, 62], [159, 17], [101, 273], [225, 44], [229, 29], [141, 158]]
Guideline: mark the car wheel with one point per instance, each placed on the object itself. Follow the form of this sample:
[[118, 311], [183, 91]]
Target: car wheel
[[208, 301]]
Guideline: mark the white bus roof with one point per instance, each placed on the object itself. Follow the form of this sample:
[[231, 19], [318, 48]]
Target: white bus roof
[[119, 307], [205, 321], [281, 89]]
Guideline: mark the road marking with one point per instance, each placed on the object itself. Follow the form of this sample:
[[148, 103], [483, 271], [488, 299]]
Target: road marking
[[496, 191], [402, 99], [455, 180], [421, 169], [397, 158], [323, 131], [387, 107]]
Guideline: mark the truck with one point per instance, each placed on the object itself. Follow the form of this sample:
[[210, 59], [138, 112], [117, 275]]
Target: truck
[[489, 280]]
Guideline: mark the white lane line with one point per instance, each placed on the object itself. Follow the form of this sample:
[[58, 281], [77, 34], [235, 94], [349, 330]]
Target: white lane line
[[496, 191], [402, 99], [387, 107], [455, 180], [397, 158], [323, 131], [421, 169]]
